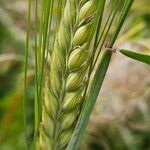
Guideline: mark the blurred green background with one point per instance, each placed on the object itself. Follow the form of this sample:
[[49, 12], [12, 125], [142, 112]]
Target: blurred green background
[[121, 117]]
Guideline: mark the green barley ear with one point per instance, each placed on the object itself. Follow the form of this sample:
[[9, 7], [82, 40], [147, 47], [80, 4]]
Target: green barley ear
[[63, 95]]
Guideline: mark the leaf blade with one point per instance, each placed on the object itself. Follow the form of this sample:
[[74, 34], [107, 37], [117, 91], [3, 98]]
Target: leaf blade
[[137, 56]]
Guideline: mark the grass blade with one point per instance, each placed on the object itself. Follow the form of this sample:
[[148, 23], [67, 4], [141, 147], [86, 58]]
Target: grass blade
[[88, 107], [26, 70], [36, 107], [140, 57]]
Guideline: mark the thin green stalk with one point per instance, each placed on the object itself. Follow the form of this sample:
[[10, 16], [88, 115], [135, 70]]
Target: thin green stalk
[[38, 69], [26, 71], [40, 36], [102, 5], [36, 107], [49, 32], [96, 85], [45, 35]]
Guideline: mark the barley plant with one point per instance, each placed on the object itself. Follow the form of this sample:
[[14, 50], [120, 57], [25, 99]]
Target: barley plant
[[71, 60]]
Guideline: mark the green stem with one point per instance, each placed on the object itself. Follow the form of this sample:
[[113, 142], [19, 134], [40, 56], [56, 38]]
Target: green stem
[[26, 70], [36, 107], [44, 46]]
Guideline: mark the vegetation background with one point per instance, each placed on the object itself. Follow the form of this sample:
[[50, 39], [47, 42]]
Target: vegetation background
[[120, 119]]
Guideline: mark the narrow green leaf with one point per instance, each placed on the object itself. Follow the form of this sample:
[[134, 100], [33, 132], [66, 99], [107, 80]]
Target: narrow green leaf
[[140, 57], [26, 71], [36, 107]]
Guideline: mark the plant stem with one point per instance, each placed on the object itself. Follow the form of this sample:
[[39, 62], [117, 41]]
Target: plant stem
[[36, 107], [26, 71]]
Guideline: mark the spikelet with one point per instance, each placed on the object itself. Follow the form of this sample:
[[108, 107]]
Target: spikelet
[[63, 95]]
